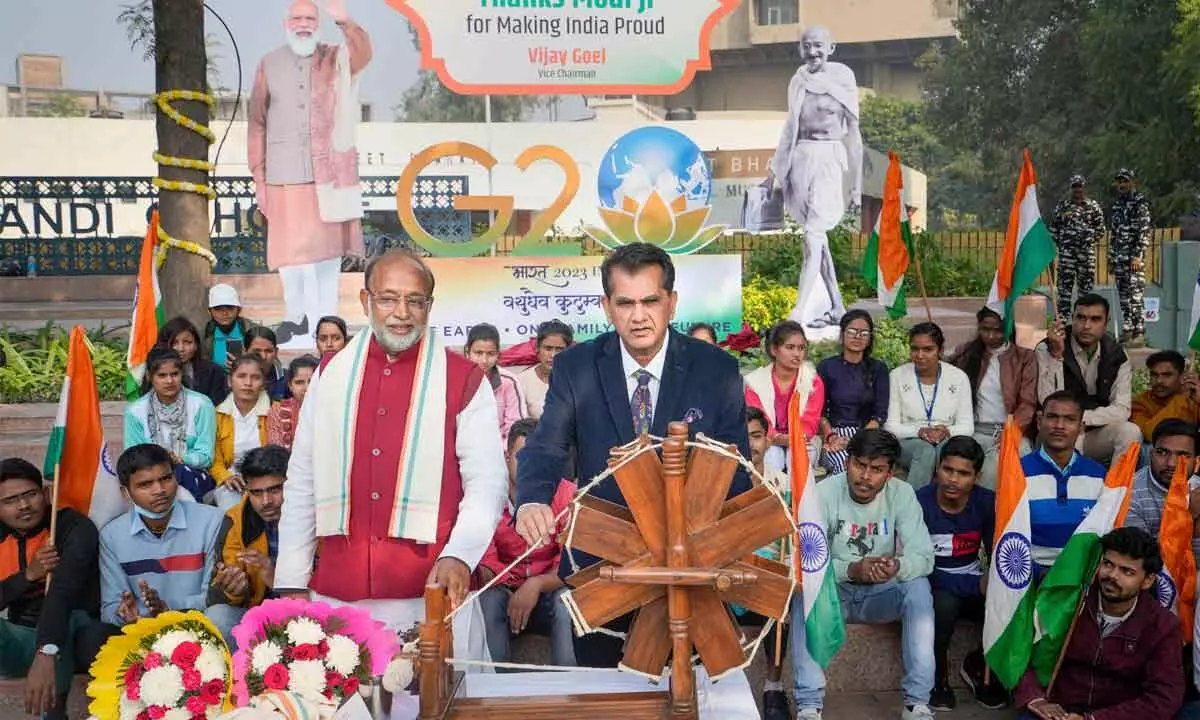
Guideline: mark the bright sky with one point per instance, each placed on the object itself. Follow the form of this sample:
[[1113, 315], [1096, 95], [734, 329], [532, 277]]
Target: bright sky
[[97, 52]]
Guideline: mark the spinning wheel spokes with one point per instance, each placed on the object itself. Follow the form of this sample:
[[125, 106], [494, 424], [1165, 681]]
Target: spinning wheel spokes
[[677, 555]]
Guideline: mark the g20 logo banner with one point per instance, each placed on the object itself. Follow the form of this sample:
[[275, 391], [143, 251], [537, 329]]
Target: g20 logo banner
[[654, 186], [544, 47]]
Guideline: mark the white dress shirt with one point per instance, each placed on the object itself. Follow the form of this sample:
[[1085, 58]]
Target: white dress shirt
[[655, 367]]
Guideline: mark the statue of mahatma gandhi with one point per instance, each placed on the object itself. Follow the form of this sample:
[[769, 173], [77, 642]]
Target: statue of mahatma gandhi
[[820, 145]]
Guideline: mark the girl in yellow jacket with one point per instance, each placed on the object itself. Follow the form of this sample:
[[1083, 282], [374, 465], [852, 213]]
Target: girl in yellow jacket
[[241, 427]]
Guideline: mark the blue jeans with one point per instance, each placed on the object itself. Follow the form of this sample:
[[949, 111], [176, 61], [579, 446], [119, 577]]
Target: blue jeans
[[549, 617], [226, 618], [909, 602]]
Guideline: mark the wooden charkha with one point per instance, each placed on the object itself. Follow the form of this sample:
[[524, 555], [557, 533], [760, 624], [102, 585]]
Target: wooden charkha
[[676, 556]]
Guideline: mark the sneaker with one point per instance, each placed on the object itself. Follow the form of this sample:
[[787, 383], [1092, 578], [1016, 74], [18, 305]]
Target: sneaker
[[809, 714], [775, 706], [942, 698], [991, 695], [916, 712]]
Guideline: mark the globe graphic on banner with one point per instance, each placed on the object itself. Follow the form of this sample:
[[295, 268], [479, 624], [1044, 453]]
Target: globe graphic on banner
[[654, 159]]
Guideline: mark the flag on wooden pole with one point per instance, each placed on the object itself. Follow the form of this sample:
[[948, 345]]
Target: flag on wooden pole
[[890, 247], [1008, 624], [1176, 584], [1028, 248], [1194, 340], [77, 446], [1067, 582], [147, 313]]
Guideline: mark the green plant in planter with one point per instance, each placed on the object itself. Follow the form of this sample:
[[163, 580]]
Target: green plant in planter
[[36, 362]]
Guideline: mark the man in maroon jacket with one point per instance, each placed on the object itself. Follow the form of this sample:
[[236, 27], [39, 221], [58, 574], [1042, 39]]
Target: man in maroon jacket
[[1123, 660]]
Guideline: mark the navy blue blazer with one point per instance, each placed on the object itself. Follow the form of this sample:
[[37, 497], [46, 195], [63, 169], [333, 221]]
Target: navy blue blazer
[[587, 408]]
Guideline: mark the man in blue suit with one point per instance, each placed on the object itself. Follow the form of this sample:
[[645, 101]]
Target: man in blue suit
[[608, 391]]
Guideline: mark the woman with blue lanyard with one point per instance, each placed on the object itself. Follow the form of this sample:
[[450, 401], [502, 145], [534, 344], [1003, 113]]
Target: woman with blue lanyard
[[929, 402]]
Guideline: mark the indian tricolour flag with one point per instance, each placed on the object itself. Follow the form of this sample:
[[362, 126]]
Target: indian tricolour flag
[[1194, 342], [147, 313], [1028, 248], [891, 245], [1176, 583], [1066, 584], [78, 453], [824, 628], [1008, 622]]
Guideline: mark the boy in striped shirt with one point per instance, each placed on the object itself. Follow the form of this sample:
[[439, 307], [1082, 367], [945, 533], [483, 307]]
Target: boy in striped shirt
[[1063, 482], [160, 555]]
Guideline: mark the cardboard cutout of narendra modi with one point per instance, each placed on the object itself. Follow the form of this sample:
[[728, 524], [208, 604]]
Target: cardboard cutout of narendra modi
[[304, 111], [821, 145]]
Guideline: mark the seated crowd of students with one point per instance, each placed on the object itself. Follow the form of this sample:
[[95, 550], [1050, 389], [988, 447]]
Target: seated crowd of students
[[206, 459]]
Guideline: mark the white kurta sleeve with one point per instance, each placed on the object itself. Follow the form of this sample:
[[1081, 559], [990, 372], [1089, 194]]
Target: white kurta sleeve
[[484, 476], [298, 525]]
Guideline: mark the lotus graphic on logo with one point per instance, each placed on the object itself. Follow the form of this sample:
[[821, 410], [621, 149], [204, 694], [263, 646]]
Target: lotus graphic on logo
[[655, 186]]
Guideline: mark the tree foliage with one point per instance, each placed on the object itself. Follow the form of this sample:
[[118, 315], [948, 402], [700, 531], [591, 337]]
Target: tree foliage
[[1087, 86], [60, 104], [428, 100]]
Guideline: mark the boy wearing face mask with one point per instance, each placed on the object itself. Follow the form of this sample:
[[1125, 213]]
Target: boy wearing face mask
[[160, 555]]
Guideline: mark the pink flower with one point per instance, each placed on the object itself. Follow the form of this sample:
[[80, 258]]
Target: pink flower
[[276, 677], [350, 686], [192, 680], [305, 652], [133, 675], [196, 705], [323, 649], [153, 660], [186, 654], [212, 691], [157, 712], [143, 715]]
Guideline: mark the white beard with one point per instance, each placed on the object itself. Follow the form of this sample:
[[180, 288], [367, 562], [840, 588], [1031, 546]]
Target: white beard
[[302, 46], [393, 343]]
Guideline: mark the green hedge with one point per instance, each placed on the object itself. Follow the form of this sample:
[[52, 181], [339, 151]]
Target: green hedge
[[36, 362]]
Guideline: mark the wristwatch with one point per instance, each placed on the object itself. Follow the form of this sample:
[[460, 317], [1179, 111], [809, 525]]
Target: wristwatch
[[49, 650]]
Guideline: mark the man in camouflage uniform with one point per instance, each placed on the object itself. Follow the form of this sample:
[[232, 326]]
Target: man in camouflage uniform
[[1077, 227], [1130, 226]]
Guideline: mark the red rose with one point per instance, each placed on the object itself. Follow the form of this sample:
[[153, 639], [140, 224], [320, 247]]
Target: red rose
[[186, 654], [350, 686], [334, 680], [157, 712], [305, 652], [143, 715], [328, 693], [200, 716], [133, 691], [192, 680], [153, 660], [323, 649], [196, 705], [276, 677], [213, 691]]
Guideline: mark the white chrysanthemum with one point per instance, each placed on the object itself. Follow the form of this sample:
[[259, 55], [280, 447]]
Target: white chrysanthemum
[[307, 678], [303, 631], [398, 676], [178, 714], [162, 686], [130, 709], [264, 655], [343, 655], [211, 664], [166, 644]]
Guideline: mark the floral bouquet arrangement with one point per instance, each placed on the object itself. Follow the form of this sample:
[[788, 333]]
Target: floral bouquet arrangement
[[320, 653], [172, 667]]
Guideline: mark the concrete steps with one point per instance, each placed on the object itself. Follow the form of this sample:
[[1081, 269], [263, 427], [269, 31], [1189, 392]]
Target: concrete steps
[[25, 429]]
